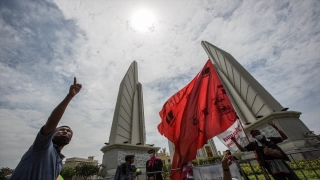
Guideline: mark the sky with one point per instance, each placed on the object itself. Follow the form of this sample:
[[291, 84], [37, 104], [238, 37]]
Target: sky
[[45, 43]]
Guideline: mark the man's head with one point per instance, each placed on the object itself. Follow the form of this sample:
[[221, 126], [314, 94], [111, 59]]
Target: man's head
[[129, 158], [62, 136], [256, 134], [152, 152], [228, 152]]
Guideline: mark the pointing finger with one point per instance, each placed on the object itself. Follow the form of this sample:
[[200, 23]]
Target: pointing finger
[[74, 81]]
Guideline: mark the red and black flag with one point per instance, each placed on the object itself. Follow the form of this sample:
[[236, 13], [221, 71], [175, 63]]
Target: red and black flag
[[196, 113]]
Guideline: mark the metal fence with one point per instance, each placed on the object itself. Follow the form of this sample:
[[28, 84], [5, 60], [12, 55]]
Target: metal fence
[[305, 167], [311, 162]]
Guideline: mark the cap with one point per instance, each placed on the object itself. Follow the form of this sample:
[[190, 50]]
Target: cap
[[151, 151]]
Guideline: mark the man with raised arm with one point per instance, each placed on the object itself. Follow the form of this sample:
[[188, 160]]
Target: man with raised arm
[[270, 156], [43, 160]]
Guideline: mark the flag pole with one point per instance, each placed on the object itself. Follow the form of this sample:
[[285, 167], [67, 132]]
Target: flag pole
[[243, 130]]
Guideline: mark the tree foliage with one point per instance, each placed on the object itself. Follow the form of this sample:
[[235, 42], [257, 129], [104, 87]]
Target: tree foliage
[[166, 171], [67, 172], [208, 160], [5, 171], [86, 170]]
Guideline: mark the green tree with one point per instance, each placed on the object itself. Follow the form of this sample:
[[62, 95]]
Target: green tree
[[5, 171], [86, 170], [67, 173], [166, 171]]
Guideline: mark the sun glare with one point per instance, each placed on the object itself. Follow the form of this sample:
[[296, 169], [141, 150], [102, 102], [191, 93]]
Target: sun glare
[[142, 20]]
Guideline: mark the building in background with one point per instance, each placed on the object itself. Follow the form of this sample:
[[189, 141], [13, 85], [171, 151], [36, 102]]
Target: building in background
[[208, 150], [164, 156], [76, 161]]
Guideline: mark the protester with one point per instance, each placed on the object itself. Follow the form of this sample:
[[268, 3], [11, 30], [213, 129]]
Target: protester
[[43, 160], [126, 171], [233, 158], [152, 165], [226, 162], [270, 156]]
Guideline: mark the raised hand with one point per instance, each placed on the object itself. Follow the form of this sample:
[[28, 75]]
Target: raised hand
[[57, 113], [226, 162], [272, 124], [75, 88], [233, 139]]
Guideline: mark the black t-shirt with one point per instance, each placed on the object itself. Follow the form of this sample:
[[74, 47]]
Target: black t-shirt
[[157, 166], [271, 143]]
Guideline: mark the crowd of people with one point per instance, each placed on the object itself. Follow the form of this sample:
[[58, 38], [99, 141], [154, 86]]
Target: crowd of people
[[43, 160]]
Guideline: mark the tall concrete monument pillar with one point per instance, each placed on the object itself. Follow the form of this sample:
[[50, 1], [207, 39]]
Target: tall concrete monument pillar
[[255, 105], [127, 135]]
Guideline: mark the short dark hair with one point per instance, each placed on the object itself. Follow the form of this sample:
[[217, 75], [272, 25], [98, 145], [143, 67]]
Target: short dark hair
[[128, 157], [252, 131], [66, 127]]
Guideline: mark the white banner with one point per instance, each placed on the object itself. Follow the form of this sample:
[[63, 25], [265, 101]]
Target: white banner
[[234, 130], [214, 172]]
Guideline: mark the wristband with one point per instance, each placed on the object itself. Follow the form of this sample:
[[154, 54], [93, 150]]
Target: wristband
[[225, 169]]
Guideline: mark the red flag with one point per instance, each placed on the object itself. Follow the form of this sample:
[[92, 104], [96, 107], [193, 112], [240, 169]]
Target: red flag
[[172, 111], [198, 112]]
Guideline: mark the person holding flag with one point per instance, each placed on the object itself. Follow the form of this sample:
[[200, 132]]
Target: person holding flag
[[270, 156], [196, 113]]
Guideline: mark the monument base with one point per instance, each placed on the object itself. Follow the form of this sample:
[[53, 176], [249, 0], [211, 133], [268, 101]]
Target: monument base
[[114, 155]]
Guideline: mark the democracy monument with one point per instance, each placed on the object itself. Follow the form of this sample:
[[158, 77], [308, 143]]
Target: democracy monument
[[254, 105], [128, 134]]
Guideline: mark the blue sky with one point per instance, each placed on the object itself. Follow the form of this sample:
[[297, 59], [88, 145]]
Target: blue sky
[[44, 44]]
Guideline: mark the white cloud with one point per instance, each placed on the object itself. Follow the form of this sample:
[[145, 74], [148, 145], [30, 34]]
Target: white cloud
[[43, 44]]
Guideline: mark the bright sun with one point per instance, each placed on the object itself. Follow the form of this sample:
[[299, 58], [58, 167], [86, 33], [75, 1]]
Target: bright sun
[[142, 20]]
